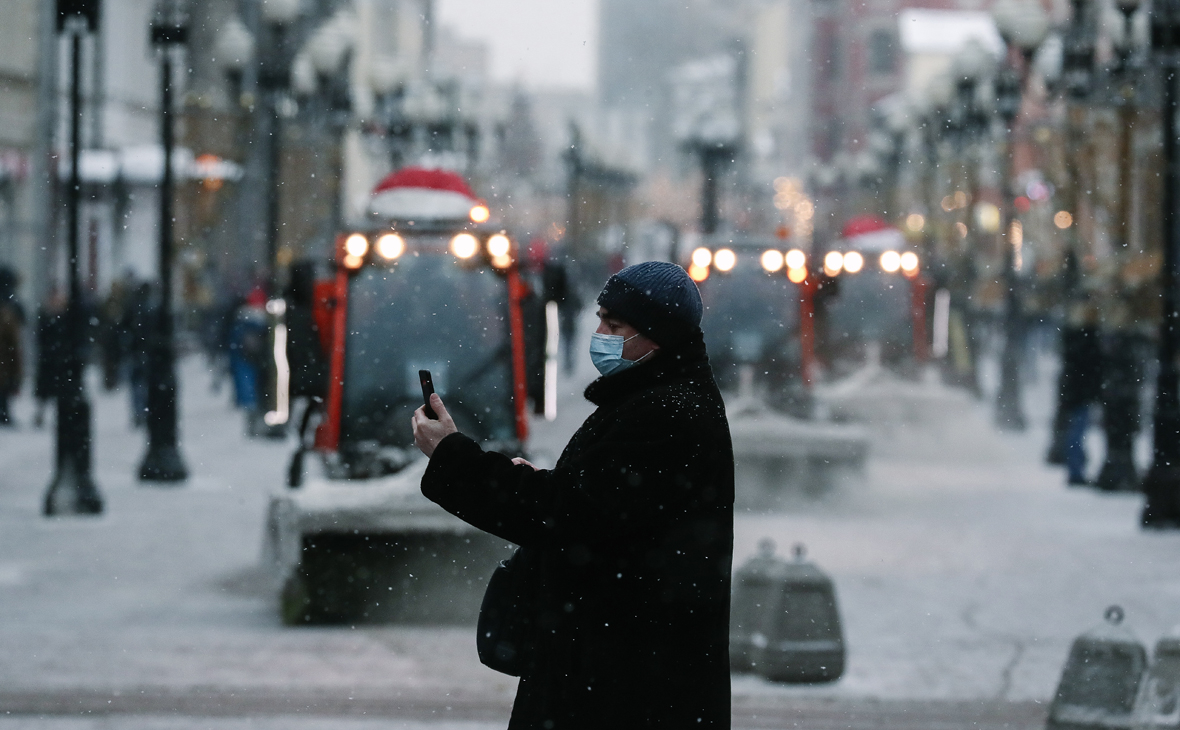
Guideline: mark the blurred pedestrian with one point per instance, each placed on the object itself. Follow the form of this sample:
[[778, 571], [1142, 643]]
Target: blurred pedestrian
[[306, 357], [111, 338], [52, 336], [247, 349], [623, 570], [138, 325], [1080, 386], [561, 288], [12, 322], [216, 323], [536, 329]]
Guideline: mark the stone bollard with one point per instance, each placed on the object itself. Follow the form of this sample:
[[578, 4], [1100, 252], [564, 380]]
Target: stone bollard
[[785, 624], [1101, 678], [1158, 705]]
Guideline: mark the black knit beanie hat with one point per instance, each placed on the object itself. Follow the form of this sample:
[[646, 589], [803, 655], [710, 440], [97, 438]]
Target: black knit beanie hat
[[656, 298]]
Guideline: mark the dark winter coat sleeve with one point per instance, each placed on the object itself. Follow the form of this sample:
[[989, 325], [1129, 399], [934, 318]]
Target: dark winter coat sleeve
[[638, 473]]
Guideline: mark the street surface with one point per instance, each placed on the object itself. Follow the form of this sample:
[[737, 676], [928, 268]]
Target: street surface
[[964, 569]]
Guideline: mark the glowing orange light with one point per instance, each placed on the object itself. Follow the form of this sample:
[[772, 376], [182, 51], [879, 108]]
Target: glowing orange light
[[479, 213], [698, 273], [797, 275]]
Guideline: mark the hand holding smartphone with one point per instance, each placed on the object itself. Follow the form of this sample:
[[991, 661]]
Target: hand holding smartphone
[[427, 391]]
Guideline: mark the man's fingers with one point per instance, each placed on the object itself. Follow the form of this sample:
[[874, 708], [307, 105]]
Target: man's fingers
[[439, 409]]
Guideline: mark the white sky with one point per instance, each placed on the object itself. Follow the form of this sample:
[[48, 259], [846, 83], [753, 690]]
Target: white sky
[[540, 43]]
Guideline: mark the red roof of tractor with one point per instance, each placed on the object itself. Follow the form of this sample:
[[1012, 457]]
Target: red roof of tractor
[[421, 177]]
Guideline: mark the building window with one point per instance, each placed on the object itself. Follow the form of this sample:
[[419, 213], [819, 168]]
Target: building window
[[882, 52]]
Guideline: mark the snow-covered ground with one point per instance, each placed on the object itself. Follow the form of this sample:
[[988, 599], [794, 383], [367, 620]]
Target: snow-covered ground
[[964, 568]]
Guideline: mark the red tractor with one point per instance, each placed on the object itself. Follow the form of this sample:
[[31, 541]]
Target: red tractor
[[428, 285]]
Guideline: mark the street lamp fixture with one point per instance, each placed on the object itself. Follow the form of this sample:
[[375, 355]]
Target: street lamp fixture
[[281, 12]]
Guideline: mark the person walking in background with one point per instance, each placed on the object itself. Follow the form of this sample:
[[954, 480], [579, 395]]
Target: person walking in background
[[560, 287], [12, 322], [248, 350], [111, 338], [137, 329], [623, 571], [1080, 386], [536, 330], [306, 357], [51, 350]]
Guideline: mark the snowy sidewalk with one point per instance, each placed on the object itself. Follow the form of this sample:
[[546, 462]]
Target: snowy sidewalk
[[964, 569]]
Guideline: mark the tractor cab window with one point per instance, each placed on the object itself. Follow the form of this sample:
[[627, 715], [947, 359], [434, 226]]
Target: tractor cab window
[[750, 318], [426, 312]]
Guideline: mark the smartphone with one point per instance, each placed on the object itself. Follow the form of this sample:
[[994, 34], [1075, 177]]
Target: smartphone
[[427, 390]]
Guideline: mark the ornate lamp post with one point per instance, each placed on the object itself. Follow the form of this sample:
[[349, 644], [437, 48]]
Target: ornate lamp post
[[72, 490], [1122, 345], [329, 50], [1162, 484], [1023, 25], [163, 462], [1076, 78], [273, 78]]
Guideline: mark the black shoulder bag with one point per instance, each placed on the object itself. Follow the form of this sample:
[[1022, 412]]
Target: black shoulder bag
[[507, 617]]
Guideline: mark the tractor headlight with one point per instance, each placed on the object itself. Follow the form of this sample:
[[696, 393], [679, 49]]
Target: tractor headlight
[[772, 260], [356, 245], [390, 246], [702, 257], [464, 245], [833, 263], [499, 246]]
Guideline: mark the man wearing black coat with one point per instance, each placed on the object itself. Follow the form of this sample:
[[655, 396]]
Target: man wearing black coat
[[630, 535]]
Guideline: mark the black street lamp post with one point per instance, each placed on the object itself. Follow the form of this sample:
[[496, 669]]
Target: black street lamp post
[[163, 462], [1023, 24], [72, 490], [1009, 411], [1076, 76], [1162, 484], [1122, 351]]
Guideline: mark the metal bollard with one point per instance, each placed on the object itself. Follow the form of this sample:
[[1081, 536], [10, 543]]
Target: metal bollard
[[1101, 678], [785, 624], [1158, 705], [755, 589]]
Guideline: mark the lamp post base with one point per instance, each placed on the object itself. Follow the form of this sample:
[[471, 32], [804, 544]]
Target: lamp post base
[[163, 464], [1161, 511], [1118, 472], [72, 491]]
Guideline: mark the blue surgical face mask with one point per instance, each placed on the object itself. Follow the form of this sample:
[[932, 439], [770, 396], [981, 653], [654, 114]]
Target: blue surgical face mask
[[606, 352]]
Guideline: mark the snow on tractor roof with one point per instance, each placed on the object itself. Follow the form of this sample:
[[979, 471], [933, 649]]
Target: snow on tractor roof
[[419, 193], [871, 233]]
